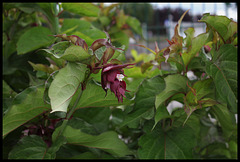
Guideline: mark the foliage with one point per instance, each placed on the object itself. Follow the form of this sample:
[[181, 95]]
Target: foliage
[[55, 104]]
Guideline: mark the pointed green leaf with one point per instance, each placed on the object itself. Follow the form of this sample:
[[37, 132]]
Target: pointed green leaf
[[161, 113], [223, 70], [189, 35], [174, 84], [26, 105], [196, 45], [33, 39], [65, 85]]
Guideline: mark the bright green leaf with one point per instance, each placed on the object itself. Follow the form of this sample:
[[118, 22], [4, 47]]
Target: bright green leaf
[[80, 25], [75, 53], [65, 85], [83, 9]]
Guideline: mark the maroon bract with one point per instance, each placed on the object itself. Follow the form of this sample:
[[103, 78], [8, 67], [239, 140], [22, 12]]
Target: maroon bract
[[111, 78]]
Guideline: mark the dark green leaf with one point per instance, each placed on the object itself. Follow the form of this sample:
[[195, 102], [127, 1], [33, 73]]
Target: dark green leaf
[[26, 106], [174, 144], [107, 141], [34, 39], [223, 70], [225, 119], [29, 147], [145, 98], [174, 84], [33, 147]]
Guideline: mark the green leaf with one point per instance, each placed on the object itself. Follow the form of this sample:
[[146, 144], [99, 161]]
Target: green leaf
[[90, 35], [50, 11], [177, 143], [189, 36], [224, 26], [161, 113], [65, 85], [196, 45], [145, 98], [98, 117], [80, 25], [201, 88], [225, 119], [134, 24], [83, 9], [94, 96], [174, 84], [33, 147], [29, 147], [105, 21], [51, 152], [75, 53], [223, 70], [7, 96], [233, 147], [68, 51], [107, 141], [26, 105], [120, 38], [33, 39]]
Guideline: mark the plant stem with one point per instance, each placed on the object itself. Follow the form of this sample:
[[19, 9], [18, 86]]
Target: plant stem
[[56, 20], [75, 104]]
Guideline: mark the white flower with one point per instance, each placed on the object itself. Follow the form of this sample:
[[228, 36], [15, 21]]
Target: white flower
[[120, 77]]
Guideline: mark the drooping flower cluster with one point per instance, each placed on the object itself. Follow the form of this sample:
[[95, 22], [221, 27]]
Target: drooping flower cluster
[[111, 78]]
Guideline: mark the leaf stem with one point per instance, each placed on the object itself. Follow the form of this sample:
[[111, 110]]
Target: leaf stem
[[75, 104]]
